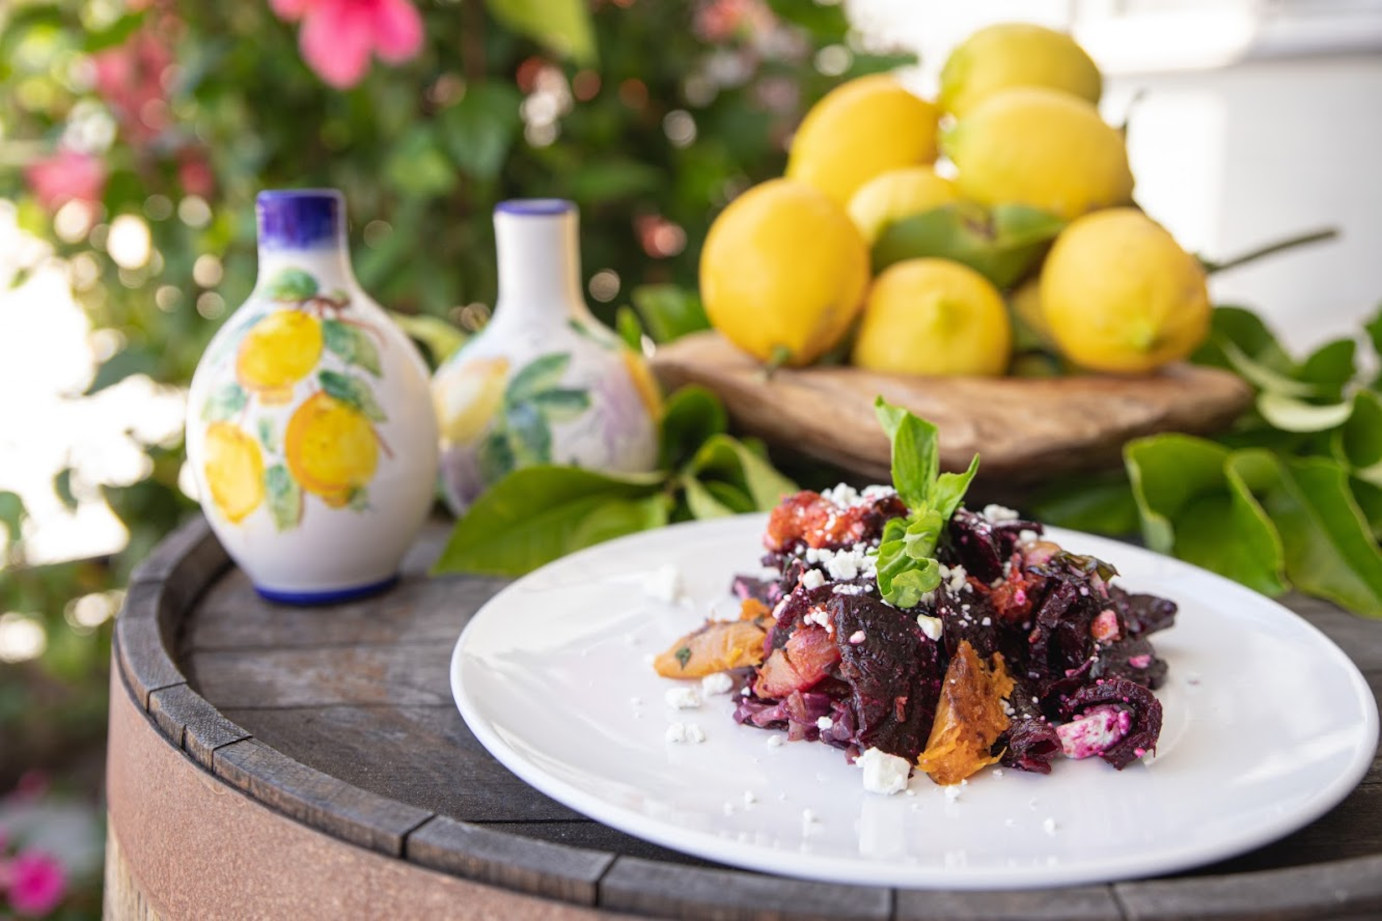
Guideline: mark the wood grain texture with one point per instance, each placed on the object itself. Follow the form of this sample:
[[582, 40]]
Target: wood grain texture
[[1082, 903], [663, 891], [320, 800], [489, 856], [1026, 429], [193, 724], [140, 642]]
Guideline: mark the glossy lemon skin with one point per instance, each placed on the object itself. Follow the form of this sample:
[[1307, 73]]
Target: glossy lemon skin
[[859, 129], [933, 317], [895, 194], [1043, 148], [1119, 294], [1012, 54], [783, 272]]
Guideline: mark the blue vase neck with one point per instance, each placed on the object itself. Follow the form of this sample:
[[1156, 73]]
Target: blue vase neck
[[304, 229]]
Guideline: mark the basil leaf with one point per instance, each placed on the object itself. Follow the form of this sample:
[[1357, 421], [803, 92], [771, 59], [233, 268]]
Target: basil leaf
[[915, 452], [537, 514], [951, 487]]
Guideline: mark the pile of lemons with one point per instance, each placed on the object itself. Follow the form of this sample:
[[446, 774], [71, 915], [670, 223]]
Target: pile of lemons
[[865, 238]]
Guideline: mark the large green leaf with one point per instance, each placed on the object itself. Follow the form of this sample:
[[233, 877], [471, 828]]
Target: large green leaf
[[1244, 330], [733, 461], [481, 128], [691, 415], [1358, 443], [1167, 472], [1331, 367], [1291, 415], [1329, 546], [562, 25], [537, 514], [1001, 243], [703, 503], [1196, 500], [669, 311]]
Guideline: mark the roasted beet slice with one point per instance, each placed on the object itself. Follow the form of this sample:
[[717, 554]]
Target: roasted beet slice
[[1144, 727], [1142, 613], [894, 673], [1031, 742], [976, 546], [1134, 659]]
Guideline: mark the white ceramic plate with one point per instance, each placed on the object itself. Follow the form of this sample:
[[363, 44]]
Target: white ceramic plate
[[1267, 726]]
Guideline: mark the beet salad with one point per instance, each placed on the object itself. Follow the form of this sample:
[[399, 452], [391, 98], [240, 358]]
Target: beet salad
[[911, 632]]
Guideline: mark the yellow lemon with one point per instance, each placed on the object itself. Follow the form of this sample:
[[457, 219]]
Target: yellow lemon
[[331, 448], [783, 272], [1042, 148], [1010, 54], [1025, 302], [467, 394], [896, 194], [935, 317], [234, 469], [643, 381], [858, 130], [277, 352], [1119, 294]]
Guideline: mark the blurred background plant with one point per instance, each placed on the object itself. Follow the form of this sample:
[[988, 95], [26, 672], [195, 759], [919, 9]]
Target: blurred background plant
[[134, 136]]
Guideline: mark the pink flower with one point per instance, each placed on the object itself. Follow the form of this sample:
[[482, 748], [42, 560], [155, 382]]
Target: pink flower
[[338, 36], [66, 176], [131, 79], [37, 884]]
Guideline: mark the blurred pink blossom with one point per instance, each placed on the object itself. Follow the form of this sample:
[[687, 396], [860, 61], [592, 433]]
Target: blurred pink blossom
[[719, 21], [36, 883], [338, 36], [66, 176], [131, 78]]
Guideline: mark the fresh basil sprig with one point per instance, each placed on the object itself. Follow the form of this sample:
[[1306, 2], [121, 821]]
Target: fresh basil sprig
[[907, 565]]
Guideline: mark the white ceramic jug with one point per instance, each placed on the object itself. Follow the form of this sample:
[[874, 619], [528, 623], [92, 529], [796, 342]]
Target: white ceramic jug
[[544, 382], [310, 432]]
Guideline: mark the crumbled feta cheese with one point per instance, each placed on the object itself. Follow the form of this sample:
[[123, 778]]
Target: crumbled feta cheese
[[1049, 826], [663, 583], [884, 774], [749, 798], [636, 701], [1026, 536], [996, 513], [676, 732], [952, 792], [842, 494], [812, 578], [694, 733], [931, 626], [955, 577], [848, 589], [877, 491], [987, 622], [774, 741], [824, 722], [717, 683], [682, 698], [857, 637], [808, 817]]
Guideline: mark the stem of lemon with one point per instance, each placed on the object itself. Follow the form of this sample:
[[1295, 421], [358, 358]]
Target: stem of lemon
[[1271, 249], [779, 356]]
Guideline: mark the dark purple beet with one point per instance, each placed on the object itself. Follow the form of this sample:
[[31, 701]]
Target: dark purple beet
[[1126, 695], [1142, 614], [975, 546], [894, 674]]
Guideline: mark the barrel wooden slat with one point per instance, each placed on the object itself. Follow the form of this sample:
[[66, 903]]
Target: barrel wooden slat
[[425, 756], [341, 718], [1084, 903], [193, 724]]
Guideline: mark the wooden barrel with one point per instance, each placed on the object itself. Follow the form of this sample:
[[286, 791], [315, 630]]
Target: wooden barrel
[[274, 762]]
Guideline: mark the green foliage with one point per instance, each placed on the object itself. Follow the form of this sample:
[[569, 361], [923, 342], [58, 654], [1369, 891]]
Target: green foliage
[[1288, 497], [907, 565], [1001, 243], [538, 513]]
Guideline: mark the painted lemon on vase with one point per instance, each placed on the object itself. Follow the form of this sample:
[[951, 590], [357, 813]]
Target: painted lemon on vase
[[308, 430], [544, 382]]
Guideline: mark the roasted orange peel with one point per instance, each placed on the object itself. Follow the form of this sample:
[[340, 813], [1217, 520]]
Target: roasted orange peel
[[969, 718], [717, 645]]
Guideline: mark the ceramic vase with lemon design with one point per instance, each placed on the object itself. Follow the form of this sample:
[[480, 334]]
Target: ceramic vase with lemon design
[[309, 430], [544, 382]]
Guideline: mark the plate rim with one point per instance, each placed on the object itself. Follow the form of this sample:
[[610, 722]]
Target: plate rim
[[738, 857]]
